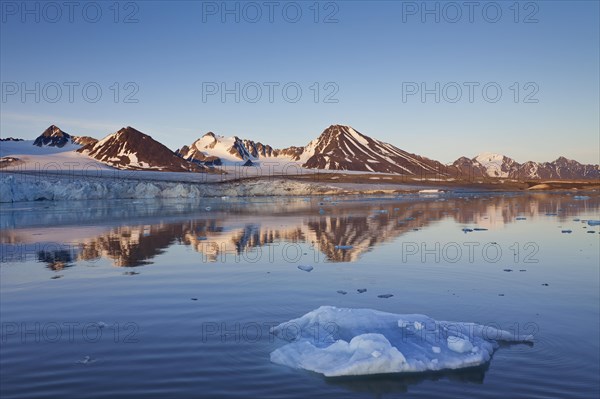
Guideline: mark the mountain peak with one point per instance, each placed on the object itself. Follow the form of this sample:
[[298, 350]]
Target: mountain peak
[[564, 160], [53, 137], [53, 130], [129, 130], [338, 126], [337, 130], [489, 156]]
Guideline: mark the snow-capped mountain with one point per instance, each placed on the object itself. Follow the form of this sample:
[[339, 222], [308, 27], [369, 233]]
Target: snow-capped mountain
[[495, 165], [131, 149], [343, 148], [212, 149], [53, 136], [337, 148], [83, 140]]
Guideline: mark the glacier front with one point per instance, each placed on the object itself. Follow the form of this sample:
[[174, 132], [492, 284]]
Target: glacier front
[[344, 342]]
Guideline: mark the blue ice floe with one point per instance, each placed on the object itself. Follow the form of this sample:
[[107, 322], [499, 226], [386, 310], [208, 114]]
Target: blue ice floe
[[342, 342]]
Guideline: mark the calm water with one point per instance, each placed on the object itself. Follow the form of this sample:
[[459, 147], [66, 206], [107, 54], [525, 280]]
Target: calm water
[[173, 299]]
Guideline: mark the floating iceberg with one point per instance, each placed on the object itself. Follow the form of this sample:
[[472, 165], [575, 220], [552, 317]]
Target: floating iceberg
[[341, 342]]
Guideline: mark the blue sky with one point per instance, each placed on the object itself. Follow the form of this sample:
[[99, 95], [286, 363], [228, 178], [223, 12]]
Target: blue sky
[[370, 57]]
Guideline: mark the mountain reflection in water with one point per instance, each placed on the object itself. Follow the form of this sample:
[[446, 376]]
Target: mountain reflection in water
[[132, 233]]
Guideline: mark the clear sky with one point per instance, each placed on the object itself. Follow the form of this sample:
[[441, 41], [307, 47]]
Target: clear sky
[[174, 57]]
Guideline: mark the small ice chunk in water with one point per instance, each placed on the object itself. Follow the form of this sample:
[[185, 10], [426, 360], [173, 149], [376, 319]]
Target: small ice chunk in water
[[343, 247], [341, 292], [385, 296], [459, 345], [367, 341], [479, 229], [581, 197], [306, 268], [593, 222], [361, 290], [567, 231], [521, 218], [466, 230], [86, 360]]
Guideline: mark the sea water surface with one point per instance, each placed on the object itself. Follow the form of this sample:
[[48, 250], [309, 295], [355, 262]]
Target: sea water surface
[[156, 299]]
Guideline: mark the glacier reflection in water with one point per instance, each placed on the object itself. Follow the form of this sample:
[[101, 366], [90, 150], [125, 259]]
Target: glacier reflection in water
[[132, 233]]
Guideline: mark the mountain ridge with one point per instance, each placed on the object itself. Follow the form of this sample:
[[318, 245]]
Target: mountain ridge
[[497, 165], [338, 147]]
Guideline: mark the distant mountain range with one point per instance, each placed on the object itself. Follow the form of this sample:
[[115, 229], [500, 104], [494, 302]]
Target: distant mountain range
[[496, 165], [337, 148], [343, 148]]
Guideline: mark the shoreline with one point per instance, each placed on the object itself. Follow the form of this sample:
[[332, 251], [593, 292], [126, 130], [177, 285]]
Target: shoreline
[[25, 186]]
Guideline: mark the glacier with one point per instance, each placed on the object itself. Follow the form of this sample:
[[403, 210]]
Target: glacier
[[19, 188], [339, 342]]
